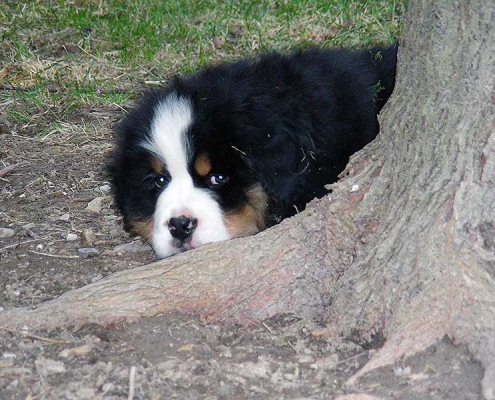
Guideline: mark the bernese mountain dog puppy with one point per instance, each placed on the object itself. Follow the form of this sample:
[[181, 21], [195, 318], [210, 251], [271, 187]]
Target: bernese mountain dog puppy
[[237, 147]]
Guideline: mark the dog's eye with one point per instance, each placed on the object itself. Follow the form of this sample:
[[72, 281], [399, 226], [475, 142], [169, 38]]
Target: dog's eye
[[160, 181], [217, 180]]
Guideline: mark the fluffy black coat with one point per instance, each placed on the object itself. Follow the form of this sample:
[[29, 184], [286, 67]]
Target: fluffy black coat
[[288, 122]]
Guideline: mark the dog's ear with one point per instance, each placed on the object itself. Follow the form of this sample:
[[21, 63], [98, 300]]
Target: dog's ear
[[279, 163]]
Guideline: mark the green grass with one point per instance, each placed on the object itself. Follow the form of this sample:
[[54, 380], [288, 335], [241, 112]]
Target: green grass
[[91, 53]]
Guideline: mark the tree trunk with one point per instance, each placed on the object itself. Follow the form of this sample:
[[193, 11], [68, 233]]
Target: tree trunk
[[428, 269], [404, 247]]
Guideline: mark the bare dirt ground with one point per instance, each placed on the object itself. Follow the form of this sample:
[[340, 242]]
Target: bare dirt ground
[[55, 205]]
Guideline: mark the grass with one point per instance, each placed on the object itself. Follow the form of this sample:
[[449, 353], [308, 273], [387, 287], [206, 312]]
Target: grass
[[58, 57]]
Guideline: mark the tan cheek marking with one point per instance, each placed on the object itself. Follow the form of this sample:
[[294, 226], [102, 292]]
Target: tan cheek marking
[[202, 165], [156, 165], [250, 218], [143, 229]]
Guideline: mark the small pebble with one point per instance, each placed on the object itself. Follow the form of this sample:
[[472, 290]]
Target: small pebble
[[13, 385], [225, 391], [45, 367], [132, 247], [354, 188], [6, 233], [79, 351], [306, 359], [326, 363], [86, 252], [64, 218], [107, 387], [12, 292], [86, 393], [89, 237], [105, 189], [71, 237], [95, 205], [114, 232], [402, 372]]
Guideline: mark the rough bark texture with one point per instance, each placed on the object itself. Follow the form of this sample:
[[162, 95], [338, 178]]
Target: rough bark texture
[[408, 254], [428, 270]]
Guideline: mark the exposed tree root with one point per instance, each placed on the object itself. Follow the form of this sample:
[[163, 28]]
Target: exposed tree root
[[286, 269], [241, 281]]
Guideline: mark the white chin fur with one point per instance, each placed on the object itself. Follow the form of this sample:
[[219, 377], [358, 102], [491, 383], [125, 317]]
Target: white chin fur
[[182, 198]]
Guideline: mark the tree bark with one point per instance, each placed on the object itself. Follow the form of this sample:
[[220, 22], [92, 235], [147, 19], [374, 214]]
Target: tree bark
[[428, 270], [404, 247]]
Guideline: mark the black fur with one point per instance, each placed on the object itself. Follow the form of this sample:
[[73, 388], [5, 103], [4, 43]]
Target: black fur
[[289, 122]]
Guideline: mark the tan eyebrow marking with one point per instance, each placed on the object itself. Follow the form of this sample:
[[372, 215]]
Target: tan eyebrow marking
[[202, 165], [157, 165]]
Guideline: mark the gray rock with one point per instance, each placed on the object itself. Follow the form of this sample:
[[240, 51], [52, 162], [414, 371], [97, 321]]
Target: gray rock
[[132, 247], [64, 218], [105, 189], [86, 252], [29, 226], [114, 232], [88, 237], [86, 393], [46, 367], [95, 205], [79, 351], [71, 237], [6, 233], [225, 391], [329, 362], [107, 387]]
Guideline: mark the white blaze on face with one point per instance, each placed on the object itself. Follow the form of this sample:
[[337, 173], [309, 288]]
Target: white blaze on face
[[169, 142]]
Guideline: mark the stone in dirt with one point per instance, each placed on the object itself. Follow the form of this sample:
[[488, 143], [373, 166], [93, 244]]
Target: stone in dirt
[[64, 218], [6, 233], [105, 189], [46, 367], [89, 237], [132, 247], [95, 205], [71, 237], [76, 351], [87, 252]]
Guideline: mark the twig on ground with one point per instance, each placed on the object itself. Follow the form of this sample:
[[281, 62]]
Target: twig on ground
[[31, 336], [267, 327], [131, 383], [291, 345], [10, 168], [52, 255], [10, 246], [352, 357], [18, 244]]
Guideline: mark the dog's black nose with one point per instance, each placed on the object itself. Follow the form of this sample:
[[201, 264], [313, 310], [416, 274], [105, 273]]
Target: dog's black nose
[[182, 227]]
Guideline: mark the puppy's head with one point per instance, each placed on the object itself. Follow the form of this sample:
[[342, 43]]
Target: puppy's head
[[179, 180]]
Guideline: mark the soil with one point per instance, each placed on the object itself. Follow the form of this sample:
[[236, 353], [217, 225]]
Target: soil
[[56, 204]]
